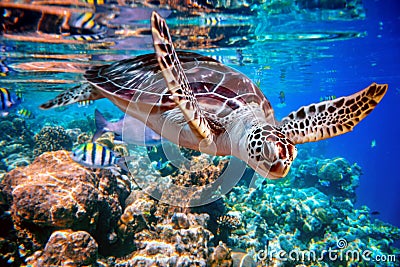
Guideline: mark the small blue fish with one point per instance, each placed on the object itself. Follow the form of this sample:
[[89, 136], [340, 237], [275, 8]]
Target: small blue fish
[[327, 98], [24, 113], [8, 101], [159, 165], [93, 155]]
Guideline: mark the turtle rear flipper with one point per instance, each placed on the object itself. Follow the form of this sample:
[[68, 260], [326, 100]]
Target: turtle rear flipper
[[176, 79], [72, 95], [331, 118]]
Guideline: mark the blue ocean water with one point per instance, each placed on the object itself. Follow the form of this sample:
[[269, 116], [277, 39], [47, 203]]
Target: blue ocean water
[[340, 68], [306, 55]]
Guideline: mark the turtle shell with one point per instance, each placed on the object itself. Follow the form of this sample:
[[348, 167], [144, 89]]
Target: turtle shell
[[218, 88]]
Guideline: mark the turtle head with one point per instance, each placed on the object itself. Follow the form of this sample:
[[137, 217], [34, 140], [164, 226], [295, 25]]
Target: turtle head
[[270, 153]]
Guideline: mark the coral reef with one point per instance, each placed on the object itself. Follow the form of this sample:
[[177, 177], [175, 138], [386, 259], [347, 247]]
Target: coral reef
[[16, 142], [97, 217], [179, 181], [177, 240], [51, 138], [62, 247], [107, 139], [55, 193], [86, 124], [295, 215], [77, 136], [334, 177]]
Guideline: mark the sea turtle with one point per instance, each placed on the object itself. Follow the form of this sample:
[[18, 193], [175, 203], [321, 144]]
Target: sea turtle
[[199, 103]]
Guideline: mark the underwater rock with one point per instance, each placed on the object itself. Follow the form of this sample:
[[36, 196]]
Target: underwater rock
[[51, 138], [54, 192], [66, 248], [168, 237], [136, 216], [241, 259], [9, 249], [77, 136], [180, 221], [279, 216], [221, 256]]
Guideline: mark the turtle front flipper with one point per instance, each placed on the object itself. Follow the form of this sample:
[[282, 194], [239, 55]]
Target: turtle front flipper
[[176, 80], [72, 95], [331, 118]]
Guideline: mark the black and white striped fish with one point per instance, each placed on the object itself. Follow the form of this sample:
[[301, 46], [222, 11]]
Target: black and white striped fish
[[93, 155]]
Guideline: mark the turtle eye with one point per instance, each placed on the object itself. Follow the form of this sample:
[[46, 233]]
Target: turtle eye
[[269, 151]]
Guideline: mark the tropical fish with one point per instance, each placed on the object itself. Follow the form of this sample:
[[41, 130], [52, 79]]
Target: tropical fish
[[375, 213], [84, 27], [327, 98], [373, 143], [8, 101], [84, 20], [24, 113], [128, 130], [212, 21], [18, 93], [282, 97], [3, 69], [95, 2], [85, 103], [152, 149], [160, 164], [93, 155]]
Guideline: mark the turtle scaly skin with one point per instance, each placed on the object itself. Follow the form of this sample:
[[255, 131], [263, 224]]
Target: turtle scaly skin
[[331, 118], [197, 102]]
